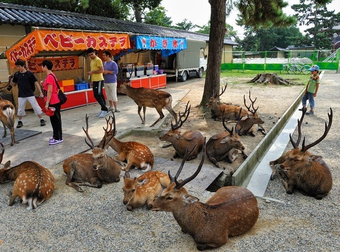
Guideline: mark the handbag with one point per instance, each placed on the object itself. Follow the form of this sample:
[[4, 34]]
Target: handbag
[[61, 95]]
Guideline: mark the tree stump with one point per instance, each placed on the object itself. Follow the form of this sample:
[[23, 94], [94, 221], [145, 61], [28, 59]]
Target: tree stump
[[271, 78]]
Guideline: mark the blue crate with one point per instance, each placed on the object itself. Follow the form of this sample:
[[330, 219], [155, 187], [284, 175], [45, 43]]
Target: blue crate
[[81, 86]]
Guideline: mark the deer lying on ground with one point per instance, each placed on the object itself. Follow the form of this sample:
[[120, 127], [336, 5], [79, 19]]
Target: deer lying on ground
[[136, 154], [230, 211], [142, 190], [189, 139], [91, 169], [302, 170], [33, 183], [223, 146], [146, 97], [7, 116], [247, 122]]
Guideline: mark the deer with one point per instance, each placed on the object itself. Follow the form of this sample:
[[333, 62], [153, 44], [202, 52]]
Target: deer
[[142, 190], [221, 146], [181, 142], [301, 170], [147, 97], [231, 211], [33, 183], [136, 154], [247, 123], [91, 169], [7, 115]]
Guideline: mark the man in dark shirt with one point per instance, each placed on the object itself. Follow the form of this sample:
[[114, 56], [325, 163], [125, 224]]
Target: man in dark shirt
[[27, 83]]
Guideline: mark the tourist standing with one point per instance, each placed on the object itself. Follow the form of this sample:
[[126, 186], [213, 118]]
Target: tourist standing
[[311, 89]]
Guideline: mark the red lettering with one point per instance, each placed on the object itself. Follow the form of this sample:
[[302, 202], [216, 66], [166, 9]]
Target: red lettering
[[50, 38], [153, 43], [175, 43], [165, 43], [79, 41], [102, 42], [113, 41], [66, 41], [91, 42], [56, 64], [122, 41]]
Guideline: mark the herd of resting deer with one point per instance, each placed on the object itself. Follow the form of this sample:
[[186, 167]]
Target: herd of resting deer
[[230, 211]]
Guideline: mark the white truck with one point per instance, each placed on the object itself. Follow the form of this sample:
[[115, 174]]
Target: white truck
[[191, 62]]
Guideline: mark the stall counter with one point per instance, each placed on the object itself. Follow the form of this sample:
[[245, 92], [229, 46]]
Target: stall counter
[[151, 81]]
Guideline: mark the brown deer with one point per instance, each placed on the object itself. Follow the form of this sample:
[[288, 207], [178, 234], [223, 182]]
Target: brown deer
[[230, 211], [136, 154], [217, 108], [33, 183], [189, 139], [302, 170], [7, 115], [142, 190], [91, 169], [146, 97], [248, 121], [222, 146]]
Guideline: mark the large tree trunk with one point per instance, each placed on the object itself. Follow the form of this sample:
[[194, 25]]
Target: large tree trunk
[[216, 37]]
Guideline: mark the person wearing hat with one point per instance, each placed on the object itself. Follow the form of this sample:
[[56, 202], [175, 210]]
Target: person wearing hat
[[311, 89]]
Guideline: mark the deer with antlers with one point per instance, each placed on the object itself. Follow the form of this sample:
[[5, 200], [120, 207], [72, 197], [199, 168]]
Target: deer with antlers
[[33, 183], [91, 169], [225, 145], [143, 190], [230, 211], [302, 170], [136, 154], [7, 115], [147, 97], [189, 139]]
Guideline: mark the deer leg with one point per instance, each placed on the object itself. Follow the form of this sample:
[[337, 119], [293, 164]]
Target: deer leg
[[214, 161], [172, 112], [232, 156], [70, 183], [94, 182], [139, 109], [12, 136], [161, 116], [5, 130], [11, 199], [128, 167]]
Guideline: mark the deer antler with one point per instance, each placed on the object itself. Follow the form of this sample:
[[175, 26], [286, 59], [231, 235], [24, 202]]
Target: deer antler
[[253, 111], [231, 131], [185, 115], [296, 144], [2, 152], [109, 133], [187, 153], [87, 133], [327, 128], [223, 89]]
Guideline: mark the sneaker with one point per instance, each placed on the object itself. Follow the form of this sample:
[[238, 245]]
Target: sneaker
[[310, 113], [104, 113], [99, 113], [42, 122], [117, 110], [302, 109], [54, 142], [111, 109], [20, 124]]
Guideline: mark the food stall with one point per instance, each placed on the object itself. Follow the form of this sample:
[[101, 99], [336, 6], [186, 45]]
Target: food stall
[[66, 49], [144, 73]]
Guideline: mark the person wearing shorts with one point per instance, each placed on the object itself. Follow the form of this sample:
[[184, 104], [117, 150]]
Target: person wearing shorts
[[110, 81]]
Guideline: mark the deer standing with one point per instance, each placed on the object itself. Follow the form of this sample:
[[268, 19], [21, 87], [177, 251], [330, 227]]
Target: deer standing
[[7, 116], [136, 154], [146, 97], [189, 139], [230, 211], [142, 190], [91, 169], [221, 146], [33, 183], [302, 170]]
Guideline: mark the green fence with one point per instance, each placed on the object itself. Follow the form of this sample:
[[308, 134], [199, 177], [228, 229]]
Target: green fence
[[279, 60]]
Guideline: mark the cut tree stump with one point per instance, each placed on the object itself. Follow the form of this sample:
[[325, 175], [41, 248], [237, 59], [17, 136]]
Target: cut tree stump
[[271, 78]]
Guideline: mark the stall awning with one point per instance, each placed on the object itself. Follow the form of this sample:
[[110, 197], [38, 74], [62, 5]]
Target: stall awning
[[51, 40], [168, 45]]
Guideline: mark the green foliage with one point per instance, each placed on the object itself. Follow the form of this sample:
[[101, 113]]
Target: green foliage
[[185, 25], [158, 16], [139, 7]]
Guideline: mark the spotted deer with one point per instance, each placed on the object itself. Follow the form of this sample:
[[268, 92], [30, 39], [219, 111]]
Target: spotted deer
[[33, 183], [136, 154], [303, 171], [147, 97], [91, 169], [189, 139], [225, 145], [230, 211], [142, 190]]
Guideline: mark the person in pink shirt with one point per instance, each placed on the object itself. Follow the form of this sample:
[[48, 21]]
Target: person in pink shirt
[[52, 101]]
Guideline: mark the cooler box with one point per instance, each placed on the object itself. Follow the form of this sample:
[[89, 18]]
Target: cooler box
[[81, 86], [148, 69], [139, 71]]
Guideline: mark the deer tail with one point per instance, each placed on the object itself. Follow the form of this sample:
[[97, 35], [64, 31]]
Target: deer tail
[[9, 112]]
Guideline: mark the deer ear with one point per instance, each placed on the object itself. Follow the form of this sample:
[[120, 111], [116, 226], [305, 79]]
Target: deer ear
[[142, 182], [8, 164], [190, 199], [315, 158]]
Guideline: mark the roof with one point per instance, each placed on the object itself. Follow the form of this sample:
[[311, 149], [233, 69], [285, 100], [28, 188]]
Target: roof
[[31, 16]]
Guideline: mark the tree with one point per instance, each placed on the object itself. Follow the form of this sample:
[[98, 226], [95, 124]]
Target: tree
[[185, 25], [158, 16], [139, 6]]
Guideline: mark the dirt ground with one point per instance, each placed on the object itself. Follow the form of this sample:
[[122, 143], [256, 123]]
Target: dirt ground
[[273, 101]]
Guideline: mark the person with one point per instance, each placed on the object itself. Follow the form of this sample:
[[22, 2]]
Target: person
[[110, 81], [27, 83], [97, 78], [52, 101], [311, 89]]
